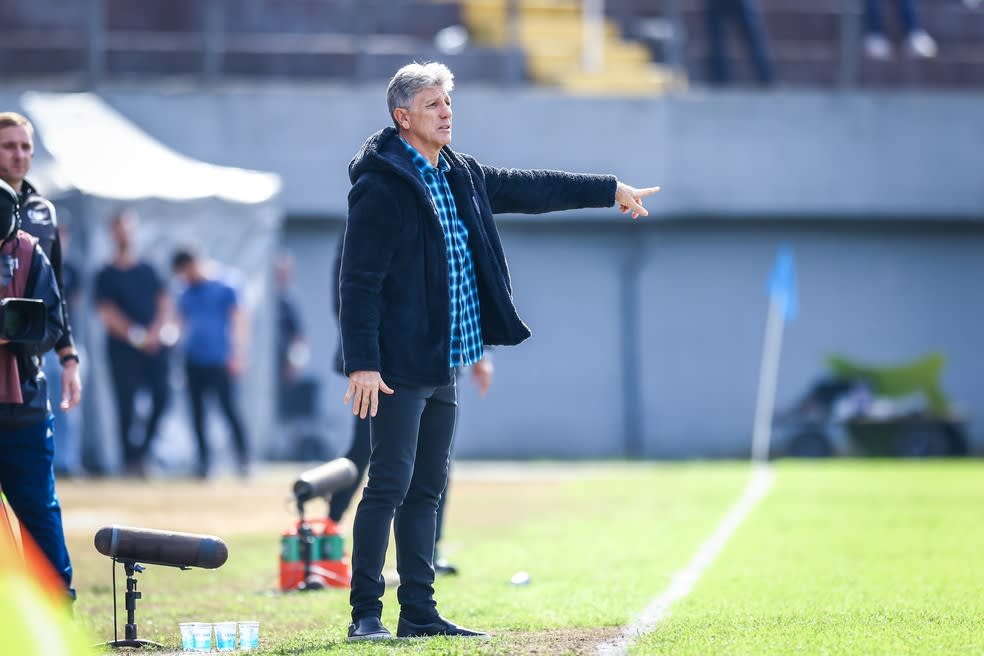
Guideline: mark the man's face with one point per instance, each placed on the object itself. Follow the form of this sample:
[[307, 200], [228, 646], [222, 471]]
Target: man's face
[[183, 273], [428, 120], [122, 230], [16, 151]]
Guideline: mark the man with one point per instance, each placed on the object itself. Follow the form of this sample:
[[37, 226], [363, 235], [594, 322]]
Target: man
[[38, 219], [27, 474], [424, 285], [214, 335], [133, 303]]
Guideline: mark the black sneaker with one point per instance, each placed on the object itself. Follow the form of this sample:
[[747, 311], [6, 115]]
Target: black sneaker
[[368, 628], [435, 627], [443, 568]]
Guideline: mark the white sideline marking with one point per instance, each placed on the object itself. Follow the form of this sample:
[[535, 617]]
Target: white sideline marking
[[683, 581]]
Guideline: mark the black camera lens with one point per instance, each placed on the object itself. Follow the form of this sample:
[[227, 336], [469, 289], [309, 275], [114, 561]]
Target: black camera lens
[[22, 319], [15, 324]]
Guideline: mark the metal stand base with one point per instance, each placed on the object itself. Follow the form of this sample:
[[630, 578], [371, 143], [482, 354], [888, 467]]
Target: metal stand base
[[140, 642], [130, 638]]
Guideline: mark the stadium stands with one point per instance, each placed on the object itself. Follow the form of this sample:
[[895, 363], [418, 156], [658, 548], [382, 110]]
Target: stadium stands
[[805, 40], [368, 39], [295, 39], [551, 34]]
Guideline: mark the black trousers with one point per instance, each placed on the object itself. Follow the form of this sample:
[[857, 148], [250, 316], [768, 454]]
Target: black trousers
[[132, 370], [748, 18], [908, 16], [358, 453], [207, 379], [410, 438]]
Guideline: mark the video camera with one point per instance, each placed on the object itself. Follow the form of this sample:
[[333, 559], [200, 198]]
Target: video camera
[[21, 319]]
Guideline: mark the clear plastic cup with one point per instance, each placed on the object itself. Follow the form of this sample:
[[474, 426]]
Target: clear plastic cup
[[187, 635], [203, 636], [225, 636], [249, 635]]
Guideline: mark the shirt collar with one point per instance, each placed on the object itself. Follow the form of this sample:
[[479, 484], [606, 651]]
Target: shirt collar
[[421, 163]]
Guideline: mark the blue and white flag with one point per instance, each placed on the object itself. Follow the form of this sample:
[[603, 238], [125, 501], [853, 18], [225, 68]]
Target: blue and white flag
[[782, 283]]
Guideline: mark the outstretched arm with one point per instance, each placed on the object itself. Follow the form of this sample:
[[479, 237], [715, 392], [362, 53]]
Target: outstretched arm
[[533, 191]]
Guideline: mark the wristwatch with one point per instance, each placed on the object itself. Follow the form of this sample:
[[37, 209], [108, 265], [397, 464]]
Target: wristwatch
[[69, 356], [136, 335]]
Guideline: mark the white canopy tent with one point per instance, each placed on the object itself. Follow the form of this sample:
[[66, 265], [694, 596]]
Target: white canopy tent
[[92, 161]]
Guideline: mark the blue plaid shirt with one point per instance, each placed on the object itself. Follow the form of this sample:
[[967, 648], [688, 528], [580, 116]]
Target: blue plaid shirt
[[466, 325]]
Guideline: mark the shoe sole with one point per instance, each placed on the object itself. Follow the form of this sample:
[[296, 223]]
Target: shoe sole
[[443, 635], [371, 637]]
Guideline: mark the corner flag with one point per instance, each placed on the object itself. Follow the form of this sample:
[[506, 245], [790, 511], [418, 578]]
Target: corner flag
[[782, 283], [783, 306]]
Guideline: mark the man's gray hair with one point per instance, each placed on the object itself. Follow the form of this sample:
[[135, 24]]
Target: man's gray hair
[[410, 79]]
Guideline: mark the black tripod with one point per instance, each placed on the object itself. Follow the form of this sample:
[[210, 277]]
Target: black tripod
[[307, 539], [130, 638]]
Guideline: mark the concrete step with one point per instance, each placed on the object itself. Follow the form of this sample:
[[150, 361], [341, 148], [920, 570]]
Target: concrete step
[[652, 80]]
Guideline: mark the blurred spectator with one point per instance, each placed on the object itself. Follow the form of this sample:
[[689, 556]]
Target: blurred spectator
[[133, 303], [748, 17], [292, 349], [876, 44], [215, 337], [68, 425]]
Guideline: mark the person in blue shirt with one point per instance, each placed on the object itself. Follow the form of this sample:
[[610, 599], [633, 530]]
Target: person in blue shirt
[[424, 288], [214, 335]]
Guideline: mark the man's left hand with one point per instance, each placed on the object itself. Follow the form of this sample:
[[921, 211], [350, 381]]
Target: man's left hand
[[71, 383], [629, 199]]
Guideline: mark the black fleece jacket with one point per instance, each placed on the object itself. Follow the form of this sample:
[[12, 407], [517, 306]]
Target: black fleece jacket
[[394, 312]]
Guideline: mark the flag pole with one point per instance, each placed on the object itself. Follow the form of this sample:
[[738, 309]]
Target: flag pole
[[768, 381], [783, 305]]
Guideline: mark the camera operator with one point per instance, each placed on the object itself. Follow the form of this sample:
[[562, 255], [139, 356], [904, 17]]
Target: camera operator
[[26, 448], [39, 220]]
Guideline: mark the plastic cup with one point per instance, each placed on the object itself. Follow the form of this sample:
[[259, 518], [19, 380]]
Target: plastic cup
[[187, 635], [225, 636], [249, 635], [203, 636]]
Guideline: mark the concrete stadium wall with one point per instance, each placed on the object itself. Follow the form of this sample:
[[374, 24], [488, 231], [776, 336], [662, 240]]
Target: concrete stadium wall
[[882, 293], [725, 154]]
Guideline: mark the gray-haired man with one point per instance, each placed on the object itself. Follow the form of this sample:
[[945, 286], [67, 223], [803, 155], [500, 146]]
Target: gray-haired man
[[424, 286]]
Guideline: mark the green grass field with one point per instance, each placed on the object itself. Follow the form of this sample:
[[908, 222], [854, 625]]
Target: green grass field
[[841, 557]]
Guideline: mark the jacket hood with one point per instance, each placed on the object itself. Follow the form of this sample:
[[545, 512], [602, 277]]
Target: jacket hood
[[382, 152]]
